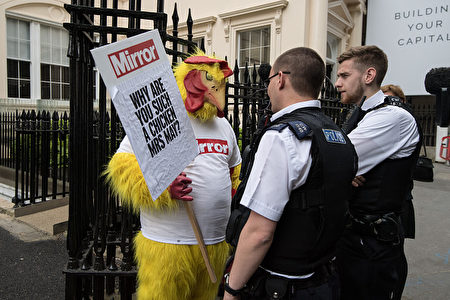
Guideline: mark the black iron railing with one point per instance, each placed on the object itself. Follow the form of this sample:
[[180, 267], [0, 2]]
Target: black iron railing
[[100, 230], [36, 145], [7, 139], [426, 116], [245, 103]]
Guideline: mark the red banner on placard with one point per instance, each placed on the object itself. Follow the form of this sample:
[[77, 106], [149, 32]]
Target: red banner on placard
[[133, 58]]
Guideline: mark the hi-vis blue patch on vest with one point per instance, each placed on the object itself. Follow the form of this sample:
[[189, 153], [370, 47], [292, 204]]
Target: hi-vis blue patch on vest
[[334, 136]]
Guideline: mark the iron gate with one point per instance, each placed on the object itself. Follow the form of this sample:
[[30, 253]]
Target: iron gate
[[100, 231]]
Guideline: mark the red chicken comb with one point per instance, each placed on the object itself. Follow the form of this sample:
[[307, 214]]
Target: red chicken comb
[[208, 60]]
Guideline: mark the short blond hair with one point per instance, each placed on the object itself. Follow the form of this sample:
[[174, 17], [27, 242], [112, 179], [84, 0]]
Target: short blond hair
[[395, 90]]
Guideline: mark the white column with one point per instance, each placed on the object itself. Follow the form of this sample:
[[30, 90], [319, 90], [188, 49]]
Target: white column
[[35, 57], [318, 23], [3, 58], [277, 42], [357, 11]]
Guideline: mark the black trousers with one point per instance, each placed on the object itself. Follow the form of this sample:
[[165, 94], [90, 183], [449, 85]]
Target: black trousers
[[369, 269], [407, 218]]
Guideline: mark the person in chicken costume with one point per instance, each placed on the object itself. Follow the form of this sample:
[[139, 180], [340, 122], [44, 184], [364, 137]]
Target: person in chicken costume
[[170, 264]]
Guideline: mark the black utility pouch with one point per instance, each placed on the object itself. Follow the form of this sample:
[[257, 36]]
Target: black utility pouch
[[255, 287], [276, 287], [387, 228]]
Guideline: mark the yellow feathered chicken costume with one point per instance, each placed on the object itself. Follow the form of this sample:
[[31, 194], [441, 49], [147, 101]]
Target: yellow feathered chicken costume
[[170, 264]]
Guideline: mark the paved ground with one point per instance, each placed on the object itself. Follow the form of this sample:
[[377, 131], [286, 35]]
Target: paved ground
[[428, 254], [31, 261]]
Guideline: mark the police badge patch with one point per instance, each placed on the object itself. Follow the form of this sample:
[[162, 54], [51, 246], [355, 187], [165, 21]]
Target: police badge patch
[[334, 136]]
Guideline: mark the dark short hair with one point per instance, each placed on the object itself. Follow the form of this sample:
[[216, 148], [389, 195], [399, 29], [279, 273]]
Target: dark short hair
[[307, 70], [366, 57]]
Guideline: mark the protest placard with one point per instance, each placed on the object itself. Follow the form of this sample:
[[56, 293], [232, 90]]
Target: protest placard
[[139, 78]]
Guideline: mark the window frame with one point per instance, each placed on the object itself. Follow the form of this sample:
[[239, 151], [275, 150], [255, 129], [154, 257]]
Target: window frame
[[21, 82], [333, 44], [235, 27], [57, 87], [34, 58], [184, 48], [250, 47]]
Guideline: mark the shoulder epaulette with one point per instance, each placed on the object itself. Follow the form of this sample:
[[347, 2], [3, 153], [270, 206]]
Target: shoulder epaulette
[[392, 100], [300, 129], [389, 100]]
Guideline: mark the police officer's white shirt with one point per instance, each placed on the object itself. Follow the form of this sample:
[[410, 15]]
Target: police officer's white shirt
[[281, 165], [387, 132]]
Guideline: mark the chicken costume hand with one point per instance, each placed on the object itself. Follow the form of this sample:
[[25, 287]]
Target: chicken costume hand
[[179, 188]]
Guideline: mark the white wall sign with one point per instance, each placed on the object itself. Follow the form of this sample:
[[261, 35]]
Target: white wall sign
[[415, 35], [145, 94]]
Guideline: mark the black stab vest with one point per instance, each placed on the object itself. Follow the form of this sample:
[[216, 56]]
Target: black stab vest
[[314, 216], [388, 183]]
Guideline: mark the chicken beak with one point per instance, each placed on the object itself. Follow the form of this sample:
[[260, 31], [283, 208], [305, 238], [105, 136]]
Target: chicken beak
[[215, 94]]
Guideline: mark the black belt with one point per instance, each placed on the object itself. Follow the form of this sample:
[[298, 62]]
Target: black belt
[[320, 276], [277, 286], [264, 284]]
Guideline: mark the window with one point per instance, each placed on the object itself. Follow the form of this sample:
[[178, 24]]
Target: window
[[198, 41], [18, 58], [184, 48], [253, 49], [37, 63], [331, 59], [54, 63]]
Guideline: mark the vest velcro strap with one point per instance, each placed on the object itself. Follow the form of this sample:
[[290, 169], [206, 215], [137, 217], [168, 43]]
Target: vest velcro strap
[[300, 129], [307, 199]]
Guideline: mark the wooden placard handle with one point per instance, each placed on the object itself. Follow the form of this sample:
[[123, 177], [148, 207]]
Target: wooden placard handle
[[200, 241]]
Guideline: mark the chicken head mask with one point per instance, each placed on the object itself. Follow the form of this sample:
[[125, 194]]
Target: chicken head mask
[[201, 80]]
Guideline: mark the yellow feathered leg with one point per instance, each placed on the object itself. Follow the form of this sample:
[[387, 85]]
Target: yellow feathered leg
[[177, 272]]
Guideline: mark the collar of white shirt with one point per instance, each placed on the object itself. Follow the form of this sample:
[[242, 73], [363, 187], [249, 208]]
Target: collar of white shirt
[[292, 107], [373, 101]]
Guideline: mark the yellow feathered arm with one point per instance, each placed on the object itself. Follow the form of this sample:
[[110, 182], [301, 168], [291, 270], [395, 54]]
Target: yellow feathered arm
[[235, 178], [127, 181]]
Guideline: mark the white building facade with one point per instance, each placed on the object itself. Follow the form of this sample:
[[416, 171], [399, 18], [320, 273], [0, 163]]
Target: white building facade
[[256, 31], [33, 54], [35, 68]]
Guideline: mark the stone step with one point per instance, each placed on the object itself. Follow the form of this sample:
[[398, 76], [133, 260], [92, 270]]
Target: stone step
[[50, 216]]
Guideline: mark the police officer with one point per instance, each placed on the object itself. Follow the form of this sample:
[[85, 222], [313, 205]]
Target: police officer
[[370, 258], [296, 185]]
